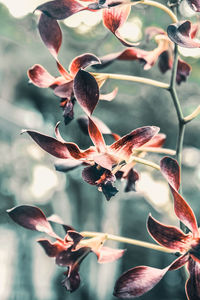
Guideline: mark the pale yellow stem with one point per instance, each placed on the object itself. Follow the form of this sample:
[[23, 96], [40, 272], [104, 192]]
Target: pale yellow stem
[[144, 162], [156, 150], [193, 115], [121, 239], [134, 79]]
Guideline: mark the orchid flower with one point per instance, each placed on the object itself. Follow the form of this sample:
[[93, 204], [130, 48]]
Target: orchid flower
[[100, 158], [163, 53], [68, 251], [137, 281], [114, 14]]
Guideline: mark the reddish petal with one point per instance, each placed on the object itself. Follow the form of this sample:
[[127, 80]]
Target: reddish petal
[[92, 174], [83, 122], [96, 136], [131, 178], [74, 236], [52, 249], [109, 96], [165, 62], [31, 217], [67, 165], [49, 144], [194, 4], [40, 77], [157, 141], [179, 262], [65, 90], [137, 281], [180, 33], [64, 72], [106, 160], [183, 71], [50, 33], [168, 236], [83, 61], [193, 283], [134, 139], [72, 258], [72, 281], [114, 18], [61, 9], [171, 171], [86, 91], [106, 254]]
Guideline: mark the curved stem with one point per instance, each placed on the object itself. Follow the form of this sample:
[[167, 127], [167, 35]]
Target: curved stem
[[145, 162], [121, 239], [156, 150], [160, 6], [133, 79], [193, 115]]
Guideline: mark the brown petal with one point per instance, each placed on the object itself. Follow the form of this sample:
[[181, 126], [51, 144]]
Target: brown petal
[[183, 71], [180, 33], [168, 236], [52, 249], [193, 283], [114, 18], [65, 90], [134, 139], [31, 217], [61, 9], [131, 178], [49, 144], [96, 136], [92, 174], [83, 61], [170, 170], [50, 33], [137, 281], [107, 254], [86, 91], [40, 76], [83, 122]]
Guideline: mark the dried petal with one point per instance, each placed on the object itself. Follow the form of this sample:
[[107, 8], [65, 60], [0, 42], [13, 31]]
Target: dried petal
[[86, 91], [193, 283], [114, 18], [83, 61], [96, 136], [137, 281], [50, 33], [168, 236], [180, 33], [31, 217], [61, 9], [134, 139]]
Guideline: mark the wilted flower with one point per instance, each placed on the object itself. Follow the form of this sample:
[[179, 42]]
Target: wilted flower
[[100, 157], [68, 252], [137, 281]]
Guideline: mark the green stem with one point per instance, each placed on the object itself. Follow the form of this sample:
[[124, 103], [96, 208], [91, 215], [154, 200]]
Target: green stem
[[121, 239]]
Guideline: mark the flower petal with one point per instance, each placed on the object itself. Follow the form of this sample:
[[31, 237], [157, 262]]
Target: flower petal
[[83, 122], [168, 236], [170, 170], [114, 18], [180, 33], [40, 77], [107, 254], [32, 218], [137, 281], [194, 4], [72, 281], [193, 283], [70, 258], [131, 178], [49, 144], [134, 139], [157, 141], [64, 90], [183, 71], [83, 61], [86, 91], [92, 174], [52, 249], [61, 9], [110, 96], [50, 33], [96, 136], [75, 236]]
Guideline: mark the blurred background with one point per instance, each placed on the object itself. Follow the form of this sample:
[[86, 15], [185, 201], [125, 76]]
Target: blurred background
[[27, 173]]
